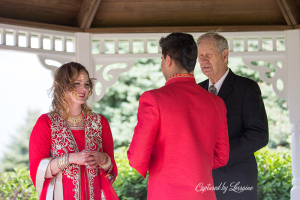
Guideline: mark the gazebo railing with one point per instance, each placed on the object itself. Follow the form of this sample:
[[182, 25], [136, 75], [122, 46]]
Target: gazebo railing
[[250, 46], [248, 41], [53, 41], [46, 44], [45, 39], [60, 46]]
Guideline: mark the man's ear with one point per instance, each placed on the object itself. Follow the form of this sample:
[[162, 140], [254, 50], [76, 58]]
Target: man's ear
[[225, 55], [169, 60]]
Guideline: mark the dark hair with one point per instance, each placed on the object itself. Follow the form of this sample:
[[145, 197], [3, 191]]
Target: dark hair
[[182, 48]]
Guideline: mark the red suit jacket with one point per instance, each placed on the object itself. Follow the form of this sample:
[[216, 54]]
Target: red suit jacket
[[180, 137]]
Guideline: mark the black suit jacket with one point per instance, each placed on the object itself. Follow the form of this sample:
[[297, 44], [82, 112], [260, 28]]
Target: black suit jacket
[[248, 132]]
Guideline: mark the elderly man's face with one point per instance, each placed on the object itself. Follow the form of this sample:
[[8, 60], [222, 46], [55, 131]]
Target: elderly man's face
[[211, 62]]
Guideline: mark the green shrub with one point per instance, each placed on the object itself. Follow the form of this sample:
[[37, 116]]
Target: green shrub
[[129, 185], [274, 174], [274, 178], [17, 185]]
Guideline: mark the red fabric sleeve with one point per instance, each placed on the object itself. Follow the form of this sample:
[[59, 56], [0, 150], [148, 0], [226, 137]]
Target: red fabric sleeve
[[39, 144], [139, 152], [108, 144], [221, 152]]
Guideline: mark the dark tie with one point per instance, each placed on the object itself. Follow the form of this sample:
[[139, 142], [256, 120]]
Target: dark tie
[[212, 89]]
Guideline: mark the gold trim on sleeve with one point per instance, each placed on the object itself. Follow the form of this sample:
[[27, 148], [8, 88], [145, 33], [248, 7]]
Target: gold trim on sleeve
[[41, 173], [58, 192]]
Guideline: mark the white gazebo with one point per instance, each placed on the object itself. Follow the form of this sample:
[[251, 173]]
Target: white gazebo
[[79, 23]]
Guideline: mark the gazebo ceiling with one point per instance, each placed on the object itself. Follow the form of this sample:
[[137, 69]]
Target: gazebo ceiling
[[112, 16]]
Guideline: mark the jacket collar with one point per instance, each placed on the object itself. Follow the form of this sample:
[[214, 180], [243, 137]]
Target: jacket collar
[[226, 86], [181, 78]]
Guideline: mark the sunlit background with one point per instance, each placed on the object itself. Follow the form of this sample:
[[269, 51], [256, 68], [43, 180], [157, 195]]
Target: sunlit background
[[24, 86]]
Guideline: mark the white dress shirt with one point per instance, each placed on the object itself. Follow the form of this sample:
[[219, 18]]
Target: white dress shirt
[[220, 82]]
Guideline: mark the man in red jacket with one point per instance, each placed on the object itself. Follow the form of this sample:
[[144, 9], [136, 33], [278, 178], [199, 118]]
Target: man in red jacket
[[181, 134]]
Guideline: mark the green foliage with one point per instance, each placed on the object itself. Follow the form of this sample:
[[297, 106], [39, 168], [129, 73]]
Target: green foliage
[[120, 103], [17, 154], [274, 178], [274, 174], [129, 183], [17, 185]]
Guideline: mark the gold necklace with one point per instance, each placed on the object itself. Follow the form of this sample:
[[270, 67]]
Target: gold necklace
[[75, 120]]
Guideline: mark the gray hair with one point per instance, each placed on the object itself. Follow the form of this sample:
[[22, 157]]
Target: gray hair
[[220, 42]]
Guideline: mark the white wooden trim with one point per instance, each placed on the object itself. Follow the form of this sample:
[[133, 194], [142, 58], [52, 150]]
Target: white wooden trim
[[37, 30], [83, 49], [293, 64]]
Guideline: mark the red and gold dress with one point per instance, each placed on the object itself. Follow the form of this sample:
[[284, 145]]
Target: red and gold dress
[[51, 137]]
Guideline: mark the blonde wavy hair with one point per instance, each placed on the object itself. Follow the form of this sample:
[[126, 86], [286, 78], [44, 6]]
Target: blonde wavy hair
[[64, 79]]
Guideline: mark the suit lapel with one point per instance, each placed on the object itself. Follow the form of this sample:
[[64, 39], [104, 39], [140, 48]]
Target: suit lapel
[[204, 84], [226, 88]]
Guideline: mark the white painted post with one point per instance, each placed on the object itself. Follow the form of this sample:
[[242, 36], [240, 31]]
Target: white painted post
[[84, 55], [28, 39], [130, 45], [245, 43], [102, 46], [16, 38], [230, 44], [116, 46], [145, 45], [293, 64], [64, 43], [41, 41], [3, 36], [52, 42], [259, 43], [158, 46], [74, 45], [274, 40]]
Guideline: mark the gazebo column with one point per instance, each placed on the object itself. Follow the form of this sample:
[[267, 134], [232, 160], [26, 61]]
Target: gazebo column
[[293, 64], [84, 55]]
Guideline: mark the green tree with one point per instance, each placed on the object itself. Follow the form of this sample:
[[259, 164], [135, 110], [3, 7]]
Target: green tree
[[17, 153], [120, 103]]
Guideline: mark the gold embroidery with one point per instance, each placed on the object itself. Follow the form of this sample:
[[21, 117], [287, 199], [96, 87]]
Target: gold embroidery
[[181, 75], [93, 142], [62, 142]]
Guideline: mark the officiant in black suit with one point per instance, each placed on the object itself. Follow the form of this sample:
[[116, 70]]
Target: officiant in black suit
[[246, 118]]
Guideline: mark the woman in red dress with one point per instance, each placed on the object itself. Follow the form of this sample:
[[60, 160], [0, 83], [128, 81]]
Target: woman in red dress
[[71, 151]]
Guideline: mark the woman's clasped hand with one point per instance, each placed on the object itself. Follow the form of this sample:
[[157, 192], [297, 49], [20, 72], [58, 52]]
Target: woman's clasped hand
[[92, 159]]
